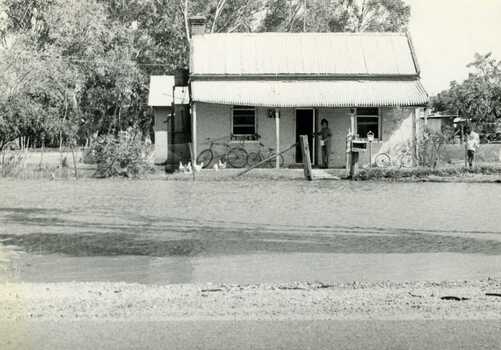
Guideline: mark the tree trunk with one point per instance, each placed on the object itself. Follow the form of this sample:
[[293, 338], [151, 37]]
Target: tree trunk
[[41, 153], [75, 166]]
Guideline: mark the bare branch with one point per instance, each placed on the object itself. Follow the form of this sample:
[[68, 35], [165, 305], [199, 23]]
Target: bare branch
[[293, 17], [184, 10], [219, 9]]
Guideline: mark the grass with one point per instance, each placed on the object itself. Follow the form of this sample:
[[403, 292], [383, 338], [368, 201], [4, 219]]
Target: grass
[[424, 172]]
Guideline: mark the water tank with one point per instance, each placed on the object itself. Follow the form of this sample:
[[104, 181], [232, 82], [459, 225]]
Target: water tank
[[181, 76]]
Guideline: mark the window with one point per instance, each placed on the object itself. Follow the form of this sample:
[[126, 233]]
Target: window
[[368, 119], [244, 122]]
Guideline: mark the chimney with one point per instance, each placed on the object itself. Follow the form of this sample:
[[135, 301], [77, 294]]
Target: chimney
[[197, 25]]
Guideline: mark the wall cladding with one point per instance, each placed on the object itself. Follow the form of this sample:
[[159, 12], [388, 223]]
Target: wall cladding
[[391, 119], [214, 121], [161, 135]]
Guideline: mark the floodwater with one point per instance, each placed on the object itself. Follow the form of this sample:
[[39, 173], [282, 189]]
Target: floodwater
[[247, 231]]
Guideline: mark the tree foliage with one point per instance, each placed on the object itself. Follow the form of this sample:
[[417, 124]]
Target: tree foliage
[[70, 69], [336, 15], [479, 96]]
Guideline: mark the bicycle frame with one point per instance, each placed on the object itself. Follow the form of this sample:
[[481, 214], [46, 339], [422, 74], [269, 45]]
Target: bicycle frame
[[264, 154]]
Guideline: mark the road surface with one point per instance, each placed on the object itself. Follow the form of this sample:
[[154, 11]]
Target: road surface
[[366, 334]]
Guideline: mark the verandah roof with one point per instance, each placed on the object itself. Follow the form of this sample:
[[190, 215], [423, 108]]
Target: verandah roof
[[311, 93]]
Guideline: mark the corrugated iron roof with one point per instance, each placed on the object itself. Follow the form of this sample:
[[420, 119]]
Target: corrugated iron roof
[[160, 94], [311, 93], [251, 54]]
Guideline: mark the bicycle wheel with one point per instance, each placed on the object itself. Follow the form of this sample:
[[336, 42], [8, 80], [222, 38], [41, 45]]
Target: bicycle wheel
[[206, 157], [237, 157], [253, 158], [272, 162], [383, 160]]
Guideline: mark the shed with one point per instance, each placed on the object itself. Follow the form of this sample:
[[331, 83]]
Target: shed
[[160, 98]]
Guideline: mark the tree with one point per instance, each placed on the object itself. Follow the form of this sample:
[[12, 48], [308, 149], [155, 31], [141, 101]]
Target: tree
[[95, 57], [32, 86], [479, 96], [336, 15], [99, 81]]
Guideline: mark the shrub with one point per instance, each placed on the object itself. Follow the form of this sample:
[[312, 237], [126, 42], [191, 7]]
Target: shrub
[[123, 155], [423, 172], [430, 147]]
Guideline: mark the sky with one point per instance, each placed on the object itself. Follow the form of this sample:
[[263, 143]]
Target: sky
[[447, 33]]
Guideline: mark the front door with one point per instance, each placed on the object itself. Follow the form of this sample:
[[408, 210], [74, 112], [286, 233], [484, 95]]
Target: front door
[[305, 125]]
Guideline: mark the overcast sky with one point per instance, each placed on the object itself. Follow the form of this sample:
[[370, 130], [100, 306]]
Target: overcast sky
[[447, 33]]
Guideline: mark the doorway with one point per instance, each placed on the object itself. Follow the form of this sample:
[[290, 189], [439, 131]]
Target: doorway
[[305, 125]]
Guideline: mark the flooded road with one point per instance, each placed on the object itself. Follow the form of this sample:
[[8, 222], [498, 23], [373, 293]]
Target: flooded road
[[247, 231]]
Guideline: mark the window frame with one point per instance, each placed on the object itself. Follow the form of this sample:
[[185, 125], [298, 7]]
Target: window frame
[[243, 137], [379, 124]]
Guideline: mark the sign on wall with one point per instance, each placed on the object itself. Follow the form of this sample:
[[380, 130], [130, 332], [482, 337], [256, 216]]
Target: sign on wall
[[181, 95]]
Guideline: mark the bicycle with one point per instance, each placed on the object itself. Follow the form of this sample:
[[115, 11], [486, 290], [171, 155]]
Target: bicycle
[[402, 160], [235, 156], [264, 153]]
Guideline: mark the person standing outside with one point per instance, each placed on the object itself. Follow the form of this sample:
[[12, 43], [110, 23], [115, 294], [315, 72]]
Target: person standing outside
[[472, 145], [325, 142]]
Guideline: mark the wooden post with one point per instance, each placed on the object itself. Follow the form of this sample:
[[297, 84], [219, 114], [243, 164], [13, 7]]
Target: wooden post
[[194, 132], [305, 150], [352, 122], [353, 166], [370, 154], [193, 160], [349, 137], [348, 153], [277, 137]]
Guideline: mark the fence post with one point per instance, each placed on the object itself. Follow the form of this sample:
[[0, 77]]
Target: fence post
[[193, 159], [305, 150], [277, 137]]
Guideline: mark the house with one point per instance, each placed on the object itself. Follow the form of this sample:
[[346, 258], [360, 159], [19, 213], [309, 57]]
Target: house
[[437, 121], [241, 82]]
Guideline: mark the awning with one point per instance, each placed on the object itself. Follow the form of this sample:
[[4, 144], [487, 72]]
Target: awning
[[310, 93]]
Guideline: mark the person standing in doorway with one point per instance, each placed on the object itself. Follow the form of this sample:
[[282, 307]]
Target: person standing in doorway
[[472, 145], [325, 142]]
